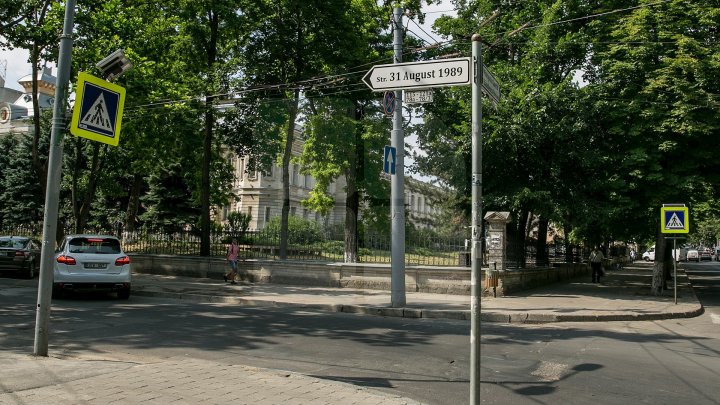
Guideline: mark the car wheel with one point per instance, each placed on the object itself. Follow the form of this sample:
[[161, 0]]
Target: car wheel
[[123, 294]]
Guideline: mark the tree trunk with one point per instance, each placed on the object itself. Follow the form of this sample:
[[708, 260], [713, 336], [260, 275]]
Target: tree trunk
[[566, 243], [38, 165], [133, 204], [205, 190], [658, 279], [541, 256], [82, 210], [205, 181], [352, 204], [287, 155], [521, 238]]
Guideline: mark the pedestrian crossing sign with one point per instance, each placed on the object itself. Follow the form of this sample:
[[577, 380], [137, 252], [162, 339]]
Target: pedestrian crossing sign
[[674, 219], [97, 114]]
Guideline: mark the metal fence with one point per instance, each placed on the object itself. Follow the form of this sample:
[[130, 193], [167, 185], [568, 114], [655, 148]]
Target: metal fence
[[421, 248], [523, 256]]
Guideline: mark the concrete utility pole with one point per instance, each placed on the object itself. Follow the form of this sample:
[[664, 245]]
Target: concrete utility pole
[[397, 184], [476, 227], [42, 319]]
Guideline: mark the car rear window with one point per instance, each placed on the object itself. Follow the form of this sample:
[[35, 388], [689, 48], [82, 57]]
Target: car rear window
[[95, 245], [13, 243]]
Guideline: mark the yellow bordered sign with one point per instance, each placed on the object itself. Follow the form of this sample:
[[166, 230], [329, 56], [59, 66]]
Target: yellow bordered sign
[[98, 110], [674, 219]]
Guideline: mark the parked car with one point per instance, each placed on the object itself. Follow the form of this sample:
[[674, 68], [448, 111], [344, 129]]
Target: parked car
[[91, 263], [693, 255], [20, 254], [705, 255], [649, 255]]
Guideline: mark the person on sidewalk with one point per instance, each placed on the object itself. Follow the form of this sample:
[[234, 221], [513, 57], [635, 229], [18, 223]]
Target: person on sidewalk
[[632, 256], [232, 258], [596, 259]]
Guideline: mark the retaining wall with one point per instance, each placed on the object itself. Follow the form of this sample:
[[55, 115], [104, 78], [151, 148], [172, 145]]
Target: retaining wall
[[442, 280]]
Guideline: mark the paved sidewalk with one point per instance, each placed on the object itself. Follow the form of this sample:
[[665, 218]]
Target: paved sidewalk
[[28, 379], [622, 296]]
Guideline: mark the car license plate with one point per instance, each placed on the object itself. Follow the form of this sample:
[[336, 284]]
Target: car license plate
[[95, 265]]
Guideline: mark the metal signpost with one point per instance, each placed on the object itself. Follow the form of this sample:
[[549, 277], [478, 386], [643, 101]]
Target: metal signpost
[[424, 75], [42, 318], [674, 219]]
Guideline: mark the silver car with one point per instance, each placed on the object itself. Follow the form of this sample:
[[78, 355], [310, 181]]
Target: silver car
[[91, 263]]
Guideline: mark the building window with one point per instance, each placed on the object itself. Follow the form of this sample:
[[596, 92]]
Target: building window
[[295, 173], [267, 214], [292, 211]]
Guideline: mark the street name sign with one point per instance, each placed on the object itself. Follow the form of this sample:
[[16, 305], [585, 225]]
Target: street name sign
[[97, 114], [674, 219], [419, 75], [490, 85], [389, 160], [418, 96]]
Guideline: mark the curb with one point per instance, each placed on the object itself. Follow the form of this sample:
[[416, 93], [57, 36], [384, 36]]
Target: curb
[[527, 318], [417, 313], [403, 312]]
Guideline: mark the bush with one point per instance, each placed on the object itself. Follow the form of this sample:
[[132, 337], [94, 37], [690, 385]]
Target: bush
[[300, 231]]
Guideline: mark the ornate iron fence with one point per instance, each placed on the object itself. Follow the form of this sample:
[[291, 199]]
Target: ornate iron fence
[[421, 248]]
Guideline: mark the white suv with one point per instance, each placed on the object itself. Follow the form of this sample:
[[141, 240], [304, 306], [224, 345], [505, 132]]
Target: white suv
[[91, 262]]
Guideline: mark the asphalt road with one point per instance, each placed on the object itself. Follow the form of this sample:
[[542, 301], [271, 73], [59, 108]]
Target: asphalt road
[[664, 362]]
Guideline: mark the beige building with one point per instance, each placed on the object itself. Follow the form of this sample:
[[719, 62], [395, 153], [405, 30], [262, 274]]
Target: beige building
[[260, 195], [16, 107]]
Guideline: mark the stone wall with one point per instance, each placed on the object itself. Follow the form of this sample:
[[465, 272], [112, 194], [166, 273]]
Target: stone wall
[[442, 280], [512, 281]]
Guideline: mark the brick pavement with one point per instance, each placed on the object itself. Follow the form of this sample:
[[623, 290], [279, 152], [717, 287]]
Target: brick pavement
[[26, 379]]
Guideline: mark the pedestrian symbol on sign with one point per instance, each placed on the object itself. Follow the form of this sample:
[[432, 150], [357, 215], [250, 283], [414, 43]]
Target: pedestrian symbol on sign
[[97, 116], [674, 222]]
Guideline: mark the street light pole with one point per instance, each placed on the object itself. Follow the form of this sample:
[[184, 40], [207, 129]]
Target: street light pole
[[397, 183], [42, 320], [476, 226]]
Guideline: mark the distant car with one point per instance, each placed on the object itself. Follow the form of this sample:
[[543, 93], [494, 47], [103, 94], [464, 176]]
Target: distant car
[[705, 255], [19, 254], [649, 255], [91, 263], [693, 255]]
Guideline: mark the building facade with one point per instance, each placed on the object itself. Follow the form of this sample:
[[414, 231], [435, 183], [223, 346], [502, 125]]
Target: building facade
[[260, 195], [16, 107]]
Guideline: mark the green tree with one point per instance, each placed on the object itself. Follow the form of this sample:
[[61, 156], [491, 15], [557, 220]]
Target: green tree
[[657, 81], [292, 43], [33, 25]]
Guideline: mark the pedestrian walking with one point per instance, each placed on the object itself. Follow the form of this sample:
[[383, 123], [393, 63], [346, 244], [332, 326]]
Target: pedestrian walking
[[632, 256], [596, 259], [232, 258]]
